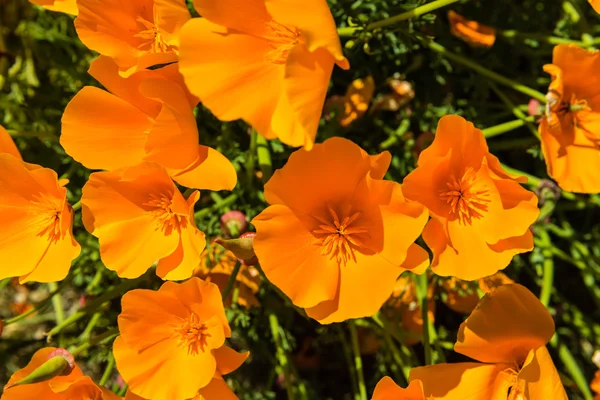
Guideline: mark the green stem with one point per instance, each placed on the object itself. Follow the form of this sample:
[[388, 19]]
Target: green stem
[[416, 12], [76, 206], [535, 181], [438, 48], [362, 389], [422, 286], [110, 366], [231, 280], [37, 307], [59, 312], [251, 160], [575, 371], [100, 339], [281, 355], [515, 109], [216, 206], [264, 158], [553, 40], [548, 267], [504, 127], [348, 356]]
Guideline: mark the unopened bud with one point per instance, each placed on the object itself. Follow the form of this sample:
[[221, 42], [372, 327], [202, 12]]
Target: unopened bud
[[233, 223], [242, 247], [59, 362]]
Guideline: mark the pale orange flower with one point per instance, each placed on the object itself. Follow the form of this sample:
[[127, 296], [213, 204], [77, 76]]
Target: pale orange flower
[[64, 6], [357, 99], [137, 34], [139, 216], [570, 131], [510, 347], [72, 386], [172, 342], [7, 145], [386, 389], [36, 238], [336, 236], [146, 117], [479, 212], [472, 32], [266, 62]]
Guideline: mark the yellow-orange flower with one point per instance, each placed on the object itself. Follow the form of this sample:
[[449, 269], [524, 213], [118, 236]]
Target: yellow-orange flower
[[472, 32], [172, 342], [36, 238], [137, 34], [357, 99], [139, 217], [7, 145], [266, 62], [73, 386], [386, 389], [479, 212], [507, 333], [216, 266], [336, 236], [570, 131], [146, 117], [64, 6]]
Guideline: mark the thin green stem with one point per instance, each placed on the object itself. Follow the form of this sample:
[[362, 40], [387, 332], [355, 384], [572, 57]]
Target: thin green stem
[[572, 367], [362, 389], [59, 312], [535, 181], [416, 12], [76, 206], [251, 158], [227, 201], [548, 267], [37, 307], [438, 48], [99, 339], [264, 158], [231, 280], [504, 127], [281, 355], [553, 40], [110, 366], [348, 356], [515, 109], [422, 287]]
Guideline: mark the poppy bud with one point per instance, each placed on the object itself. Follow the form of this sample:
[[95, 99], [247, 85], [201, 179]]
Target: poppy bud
[[59, 362], [534, 107], [233, 223], [241, 247]]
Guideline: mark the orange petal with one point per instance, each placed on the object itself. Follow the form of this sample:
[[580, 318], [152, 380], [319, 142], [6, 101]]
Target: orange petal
[[417, 259], [254, 83], [290, 259], [64, 6], [386, 389], [211, 170], [575, 63], [228, 360], [543, 381], [595, 4], [357, 99], [464, 381], [248, 16], [109, 143], [7, 145], [216, 389], [505, 326], [471, 32]]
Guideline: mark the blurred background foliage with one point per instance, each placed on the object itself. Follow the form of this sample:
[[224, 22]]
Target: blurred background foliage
[[43, 64]]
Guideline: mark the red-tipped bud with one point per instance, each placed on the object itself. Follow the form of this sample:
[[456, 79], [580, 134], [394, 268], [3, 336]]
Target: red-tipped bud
[[233, 223]]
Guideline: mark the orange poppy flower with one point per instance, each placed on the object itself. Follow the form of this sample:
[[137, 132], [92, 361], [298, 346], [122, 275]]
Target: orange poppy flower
[[595, 385], [570, 131], [216, 266], [336, 236], [7, 145], [266, 62], [357, 99], [139, 216], [472, 32], [462, 298], [595, 4], [36, 239], [146, 117], [386, 389], [64, 6], [175, 335], [137, 34], [479, 212], [74, 385], [510, 347]]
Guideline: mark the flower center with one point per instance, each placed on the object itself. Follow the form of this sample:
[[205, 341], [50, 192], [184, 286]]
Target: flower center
[[153, 40], [466, 198], [340, 237], [193, 334], [48, 219], [282, 39], [167, 219]]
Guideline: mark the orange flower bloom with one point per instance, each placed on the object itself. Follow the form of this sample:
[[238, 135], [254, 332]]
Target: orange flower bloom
[[176, 335], [357, 99], [216, 266], [36, 240], [64, 6], [595, 385], [7, 145], [139, 216], [336, 236], [595, 4], [511, 348], [479, 211], [266, 62], [386, 389], [147, 117], [462, 298], [570, 132], [472, 32], [73, 386], [137, 34]]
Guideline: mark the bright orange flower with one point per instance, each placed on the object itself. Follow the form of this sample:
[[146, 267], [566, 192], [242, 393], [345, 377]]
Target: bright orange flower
[[479, 212], [176, 335], [472, 32], [595, 4], [139, 217], [357, 99], [511, 348], [462, 298], [570, 131], [266, 62], [386, 389], [336, 236], [7, 145], [216, 266], [137, 34], [147, 117], [73, 386], [595, 385], [36, 239]]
